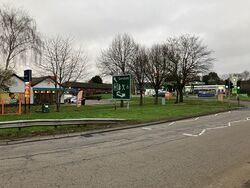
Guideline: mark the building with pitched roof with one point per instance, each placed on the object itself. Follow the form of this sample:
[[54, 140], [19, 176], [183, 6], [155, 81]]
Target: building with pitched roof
[[42, 89]]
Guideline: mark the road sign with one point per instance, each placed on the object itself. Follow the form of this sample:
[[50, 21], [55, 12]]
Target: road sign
[[121, 87]]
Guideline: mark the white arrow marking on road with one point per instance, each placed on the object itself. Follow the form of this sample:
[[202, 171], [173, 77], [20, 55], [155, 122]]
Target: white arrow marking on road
[[195, 135], [221, 127]]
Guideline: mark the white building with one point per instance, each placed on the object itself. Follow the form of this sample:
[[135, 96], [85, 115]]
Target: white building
[[42, 89]]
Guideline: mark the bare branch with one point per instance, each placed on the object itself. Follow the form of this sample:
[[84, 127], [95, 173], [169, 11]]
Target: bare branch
[[116, 58], [61, 60], [18, 34]]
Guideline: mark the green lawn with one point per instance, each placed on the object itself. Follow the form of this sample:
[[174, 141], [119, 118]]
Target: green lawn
[[147, 112], [105, 96], [43, 131], [135, 114], [245, 98]]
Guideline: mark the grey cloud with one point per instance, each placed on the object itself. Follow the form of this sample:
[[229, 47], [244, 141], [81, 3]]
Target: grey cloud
[[223, 24]]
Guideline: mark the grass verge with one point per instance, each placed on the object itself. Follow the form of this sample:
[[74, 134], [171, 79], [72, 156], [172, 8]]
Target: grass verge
[[135, 114]]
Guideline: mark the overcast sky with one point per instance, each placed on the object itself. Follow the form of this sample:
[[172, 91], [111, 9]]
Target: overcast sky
[[223, 24]]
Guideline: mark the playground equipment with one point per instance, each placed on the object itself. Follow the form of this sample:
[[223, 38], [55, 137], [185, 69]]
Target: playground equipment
[[11, 106]]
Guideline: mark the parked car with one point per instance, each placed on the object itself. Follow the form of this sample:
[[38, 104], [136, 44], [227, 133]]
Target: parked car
[[73, 99], [160, 94], [67, 98], [205, 94]]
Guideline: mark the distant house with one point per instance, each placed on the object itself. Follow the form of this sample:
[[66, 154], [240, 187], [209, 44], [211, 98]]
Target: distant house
[[89, 89], [17, 84], [42, 89]]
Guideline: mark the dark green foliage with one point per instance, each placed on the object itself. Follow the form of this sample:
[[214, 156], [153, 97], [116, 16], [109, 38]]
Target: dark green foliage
[[96, 79]]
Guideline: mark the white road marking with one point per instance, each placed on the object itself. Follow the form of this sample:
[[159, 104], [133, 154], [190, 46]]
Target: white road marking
[[221, 127], [215, 114], [202, 132], [147, 128], [171, 123], [237, 121], [196, 118], [211, 128], [189, 134], [229, 112]]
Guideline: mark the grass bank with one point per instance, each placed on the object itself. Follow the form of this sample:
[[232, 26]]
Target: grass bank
[[135, 114]]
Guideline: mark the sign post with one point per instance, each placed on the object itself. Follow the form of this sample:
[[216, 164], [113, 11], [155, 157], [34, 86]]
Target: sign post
[[121, 87], [79, 98], [27, 80]]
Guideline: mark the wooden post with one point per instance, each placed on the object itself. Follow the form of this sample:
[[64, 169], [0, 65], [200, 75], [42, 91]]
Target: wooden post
[[128, 105], [2, 106], [29, 104], [25, 110], [20, 106]]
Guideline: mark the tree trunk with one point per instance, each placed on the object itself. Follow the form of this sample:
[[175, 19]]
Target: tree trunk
[[141, 95], [177, 96], [181, 93], [156, 96], [57, 101], [58, 106], [7, 62], [141, 98]]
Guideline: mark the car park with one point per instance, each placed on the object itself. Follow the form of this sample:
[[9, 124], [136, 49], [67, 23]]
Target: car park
[[73, 99], [160, 94]]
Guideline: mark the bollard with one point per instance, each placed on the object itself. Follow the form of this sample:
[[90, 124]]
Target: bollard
[[163, 101]]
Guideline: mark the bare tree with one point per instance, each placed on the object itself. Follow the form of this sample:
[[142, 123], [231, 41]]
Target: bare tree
[[245, 75], [63, 62], [137, 68], [189, 57], [5, 79], [224, 76], [18, 34], [157, 68], [115, 59], [119, 54]]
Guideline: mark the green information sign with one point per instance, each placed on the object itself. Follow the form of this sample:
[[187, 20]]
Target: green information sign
[[121, 87]]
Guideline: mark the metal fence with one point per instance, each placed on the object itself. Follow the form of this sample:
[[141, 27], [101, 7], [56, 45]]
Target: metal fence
[[57, 122]]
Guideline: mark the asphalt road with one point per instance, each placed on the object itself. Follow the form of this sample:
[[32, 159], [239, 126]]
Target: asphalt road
[[210, 151]]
